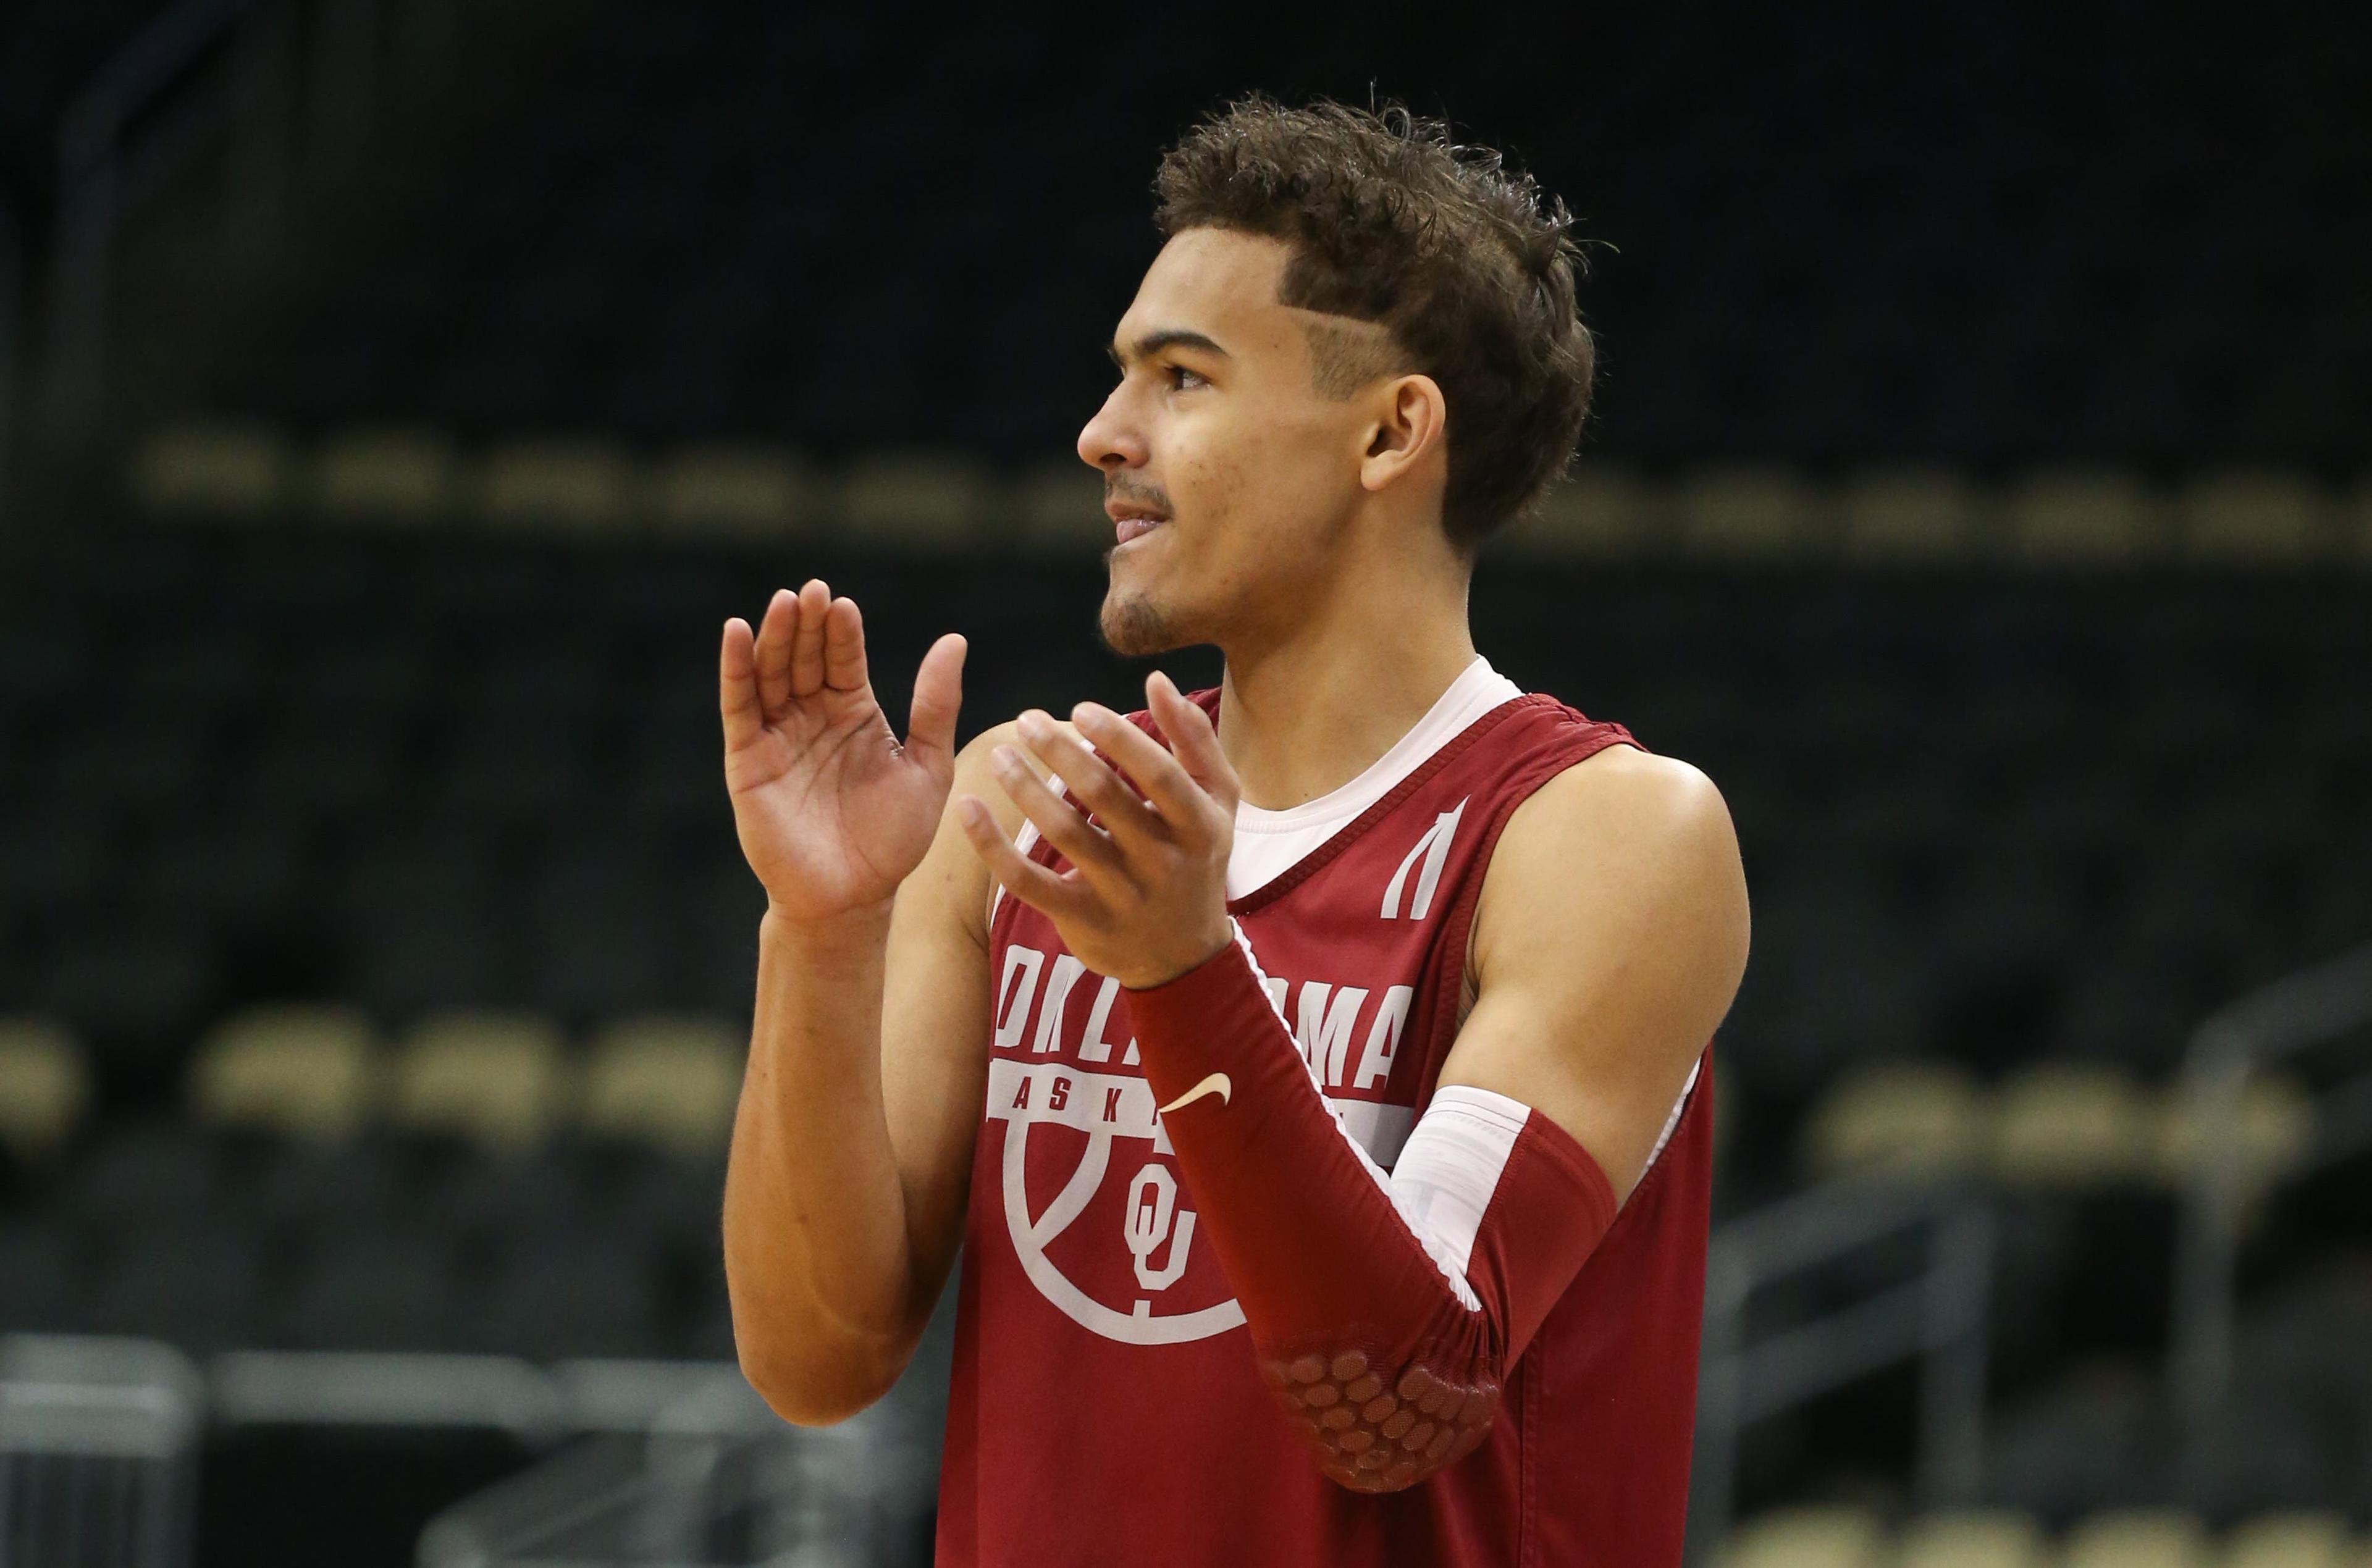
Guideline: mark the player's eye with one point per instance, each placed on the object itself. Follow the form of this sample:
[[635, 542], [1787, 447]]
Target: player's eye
[[1182, 378]]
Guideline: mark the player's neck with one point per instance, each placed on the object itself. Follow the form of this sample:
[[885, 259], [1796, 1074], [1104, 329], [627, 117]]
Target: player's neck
[[1310, 710]]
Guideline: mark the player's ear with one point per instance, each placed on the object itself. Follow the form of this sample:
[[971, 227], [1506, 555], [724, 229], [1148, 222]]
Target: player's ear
[[1412, 424]]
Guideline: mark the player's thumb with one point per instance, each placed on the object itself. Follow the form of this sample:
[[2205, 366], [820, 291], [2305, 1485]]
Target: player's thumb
[[938, 695]]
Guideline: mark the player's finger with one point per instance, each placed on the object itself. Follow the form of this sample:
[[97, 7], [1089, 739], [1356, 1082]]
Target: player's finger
[[807, 645], [1061, 823], [1089, 777], [938, 694], [1041, 889], [1193, 742], [737, 685], [1172, 789], [843, 646], [772, 653]]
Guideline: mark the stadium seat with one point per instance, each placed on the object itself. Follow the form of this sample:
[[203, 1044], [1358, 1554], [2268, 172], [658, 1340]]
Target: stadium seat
[[300, 1071], [914, 501], [2096, 1438], [2140, 1537], [1748, 515], [45, 1088], [197, 1286], [490, 1199], [143, 768], [143, 1173], [2084, 517], [1972, 1538], [214, 470], [582, 488], [2263, 518], [377, 1290], [41, 1284], [243, 876], [303, 1190], [493, 1078], [510, 766], [333, 762], [589, 1294], [755, 494], [2293, 1540], [2073, 1125], [2262, 1451], [1057, 509], [390, 475], [2124, 1012], [669, 1082], [133, 990], [56, 861], [1910, 516], [1807, 1537], [1906, 1119], [1600, 511], [410, 959]]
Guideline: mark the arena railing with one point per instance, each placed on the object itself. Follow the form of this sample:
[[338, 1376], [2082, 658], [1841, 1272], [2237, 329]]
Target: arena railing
[[99, 1442], [2317, 1006], [1937, 1316], [714, 1478]]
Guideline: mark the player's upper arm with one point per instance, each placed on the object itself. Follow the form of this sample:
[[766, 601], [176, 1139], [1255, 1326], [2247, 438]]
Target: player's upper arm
[[934, 1023], [1609, 941]]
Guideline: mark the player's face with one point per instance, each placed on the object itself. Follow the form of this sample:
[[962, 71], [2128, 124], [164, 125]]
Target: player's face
[[1229, 476]]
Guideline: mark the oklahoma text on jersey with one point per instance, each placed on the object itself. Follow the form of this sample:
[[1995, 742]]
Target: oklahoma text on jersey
[[1105, 1406]]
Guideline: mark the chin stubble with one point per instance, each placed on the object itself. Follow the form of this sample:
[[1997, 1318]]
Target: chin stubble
[[1133, 628]]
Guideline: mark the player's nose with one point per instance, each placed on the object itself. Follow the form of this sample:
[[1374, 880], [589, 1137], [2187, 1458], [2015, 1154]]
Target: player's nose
[[1110, 440]]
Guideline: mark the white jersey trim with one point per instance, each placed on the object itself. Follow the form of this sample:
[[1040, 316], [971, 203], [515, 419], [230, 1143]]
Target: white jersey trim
[[1270, 843]]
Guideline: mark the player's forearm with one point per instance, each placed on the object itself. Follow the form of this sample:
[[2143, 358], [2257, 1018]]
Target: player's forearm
[[816, 1248], [1387, 1337]]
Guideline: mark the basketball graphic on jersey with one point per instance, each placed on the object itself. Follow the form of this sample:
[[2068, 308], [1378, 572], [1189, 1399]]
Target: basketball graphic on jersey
[[1089, 1195], [1098, 1337]]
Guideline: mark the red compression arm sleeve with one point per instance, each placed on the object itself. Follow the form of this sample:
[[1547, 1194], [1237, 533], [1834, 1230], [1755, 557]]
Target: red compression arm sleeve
[[1360, 1332]]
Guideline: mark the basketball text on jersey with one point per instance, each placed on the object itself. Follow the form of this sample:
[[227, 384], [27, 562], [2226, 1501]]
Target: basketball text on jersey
[[1106, 1404]]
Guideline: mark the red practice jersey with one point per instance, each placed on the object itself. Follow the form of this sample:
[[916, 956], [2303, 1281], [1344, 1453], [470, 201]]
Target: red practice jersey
[[1106, 1407]]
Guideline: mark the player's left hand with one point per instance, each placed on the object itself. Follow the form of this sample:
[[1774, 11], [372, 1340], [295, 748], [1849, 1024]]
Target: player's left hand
[[1144, 898]]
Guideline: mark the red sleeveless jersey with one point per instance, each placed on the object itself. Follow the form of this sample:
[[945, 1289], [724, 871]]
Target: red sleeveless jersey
[[1105, 1406]]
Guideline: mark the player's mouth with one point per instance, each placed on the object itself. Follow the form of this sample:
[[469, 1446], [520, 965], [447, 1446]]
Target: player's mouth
[[1133, 522]]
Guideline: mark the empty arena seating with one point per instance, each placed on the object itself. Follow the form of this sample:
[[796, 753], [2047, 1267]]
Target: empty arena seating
[[1851, 1536], [380, 952], [1950, 240], [478, 1184]]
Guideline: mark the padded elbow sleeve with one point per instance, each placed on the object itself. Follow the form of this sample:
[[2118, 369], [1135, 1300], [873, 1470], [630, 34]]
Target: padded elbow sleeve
[[1506, 1206], [1385, 1310]]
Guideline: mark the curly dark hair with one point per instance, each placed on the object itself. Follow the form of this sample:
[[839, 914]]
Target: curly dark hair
[[1467, 265]]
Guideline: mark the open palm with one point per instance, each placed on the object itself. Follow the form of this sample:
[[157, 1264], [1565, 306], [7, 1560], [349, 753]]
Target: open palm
[[832, 812]]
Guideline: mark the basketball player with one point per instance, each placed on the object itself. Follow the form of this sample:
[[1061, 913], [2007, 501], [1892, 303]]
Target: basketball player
[[1313, 1069]]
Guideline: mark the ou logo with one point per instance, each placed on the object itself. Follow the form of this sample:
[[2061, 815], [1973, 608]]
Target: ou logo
[[1155, 1231], [1152, 1200]]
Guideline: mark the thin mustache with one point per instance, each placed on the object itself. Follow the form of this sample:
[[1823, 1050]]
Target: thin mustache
[[1141, 495]]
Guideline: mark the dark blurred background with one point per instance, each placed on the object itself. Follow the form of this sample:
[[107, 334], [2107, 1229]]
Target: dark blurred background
[[395, 395]]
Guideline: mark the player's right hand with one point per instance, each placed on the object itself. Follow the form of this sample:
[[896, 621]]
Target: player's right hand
[[832, 812]]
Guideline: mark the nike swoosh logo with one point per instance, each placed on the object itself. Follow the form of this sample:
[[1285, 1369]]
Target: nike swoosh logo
[[1216, 1083]]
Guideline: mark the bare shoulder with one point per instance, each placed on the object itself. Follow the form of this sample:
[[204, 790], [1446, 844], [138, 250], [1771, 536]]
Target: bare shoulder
[[1625, 796], [1641, 840], [961, 865], [974, 775]]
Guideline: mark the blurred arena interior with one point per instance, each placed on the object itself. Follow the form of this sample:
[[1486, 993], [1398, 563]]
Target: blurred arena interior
[[395, 395]]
